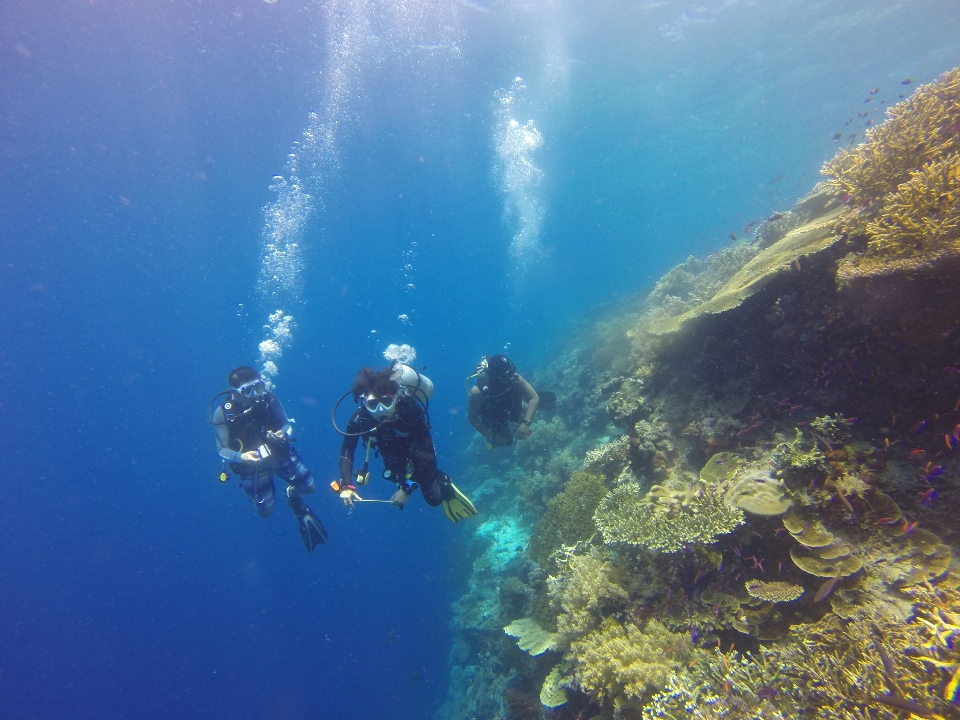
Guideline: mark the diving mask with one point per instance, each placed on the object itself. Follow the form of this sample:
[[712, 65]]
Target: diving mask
[[381, 408], [252, 389]]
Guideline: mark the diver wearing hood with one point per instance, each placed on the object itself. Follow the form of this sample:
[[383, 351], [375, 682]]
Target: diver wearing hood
[[390, 416], [253, 437]]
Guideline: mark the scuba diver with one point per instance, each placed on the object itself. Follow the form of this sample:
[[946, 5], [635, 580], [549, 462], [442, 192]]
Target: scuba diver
[[391, 419], [500, 397], [253, 437]]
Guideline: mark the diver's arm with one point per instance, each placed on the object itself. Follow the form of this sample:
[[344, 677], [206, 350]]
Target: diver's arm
[[474, 403], [222, 433], [531, 397], [279, 417], [347, 448]]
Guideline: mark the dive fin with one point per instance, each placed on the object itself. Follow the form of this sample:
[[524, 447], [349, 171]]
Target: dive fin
[[459, 506], [311, 529]]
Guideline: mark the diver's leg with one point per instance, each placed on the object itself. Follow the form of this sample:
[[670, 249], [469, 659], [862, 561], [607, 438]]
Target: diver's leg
[[295, 472], [258, 484], [435, 485]]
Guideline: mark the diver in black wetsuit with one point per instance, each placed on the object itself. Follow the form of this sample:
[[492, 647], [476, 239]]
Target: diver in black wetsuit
[[254, 436], [501, 397], [390, 417]]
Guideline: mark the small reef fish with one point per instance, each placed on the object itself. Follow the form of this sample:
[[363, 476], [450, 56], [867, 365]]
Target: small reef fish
[[824, 592], [928, 496], [906, 81], [903, 704], [951, 442], [918, 427], [909, 527], [915, 453], [952, 370], [874, 91], [836, 137], [933, 472], [748, 429]]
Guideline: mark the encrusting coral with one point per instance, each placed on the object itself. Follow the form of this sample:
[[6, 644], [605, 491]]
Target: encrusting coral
[[676, 519]]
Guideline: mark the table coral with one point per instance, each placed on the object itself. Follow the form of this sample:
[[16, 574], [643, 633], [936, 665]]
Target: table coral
[[531, 637], [694, 517], [777, 591]]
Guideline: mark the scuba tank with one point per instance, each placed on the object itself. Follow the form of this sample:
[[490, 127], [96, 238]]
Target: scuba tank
[[414, 383]]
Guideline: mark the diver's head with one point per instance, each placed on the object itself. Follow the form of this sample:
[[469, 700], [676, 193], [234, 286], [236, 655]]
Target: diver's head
[[246, 384], [378, 391], [500, 371]]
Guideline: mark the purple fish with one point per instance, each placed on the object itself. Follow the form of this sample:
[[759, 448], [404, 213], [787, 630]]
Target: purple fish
[[824, 592]]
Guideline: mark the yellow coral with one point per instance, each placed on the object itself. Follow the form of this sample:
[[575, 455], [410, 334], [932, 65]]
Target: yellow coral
[[698, 516], [919, 224], [587, 589], [918, 130], [623, 664]]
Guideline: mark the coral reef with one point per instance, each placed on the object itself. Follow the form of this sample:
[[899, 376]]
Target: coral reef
[[768, 529], [918, 130], [622, 664], [668, 521], [777, 591], [552, 693], [569, 515], [918, 227], [589, 589], [806, 241], [532, 638], [758, 493]]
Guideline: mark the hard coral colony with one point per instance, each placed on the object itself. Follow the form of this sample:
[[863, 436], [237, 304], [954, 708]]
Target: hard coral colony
[[767, 543]]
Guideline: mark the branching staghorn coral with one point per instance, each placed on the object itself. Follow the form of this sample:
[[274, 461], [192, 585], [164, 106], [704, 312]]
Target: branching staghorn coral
[[920, 129], [919, 224], [698, 516]]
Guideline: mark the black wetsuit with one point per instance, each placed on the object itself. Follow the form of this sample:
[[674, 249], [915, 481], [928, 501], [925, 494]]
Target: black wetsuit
[[500, 403], [403, 440], [247, 427]]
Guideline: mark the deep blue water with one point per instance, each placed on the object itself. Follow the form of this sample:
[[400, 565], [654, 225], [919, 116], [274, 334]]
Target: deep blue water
[[137, 145]]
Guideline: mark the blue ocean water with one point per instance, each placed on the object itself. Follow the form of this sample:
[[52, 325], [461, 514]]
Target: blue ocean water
[[138, 144]]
